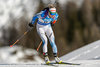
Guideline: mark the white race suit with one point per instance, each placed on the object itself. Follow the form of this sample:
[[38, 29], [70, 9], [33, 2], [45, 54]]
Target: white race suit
[[44, 29]]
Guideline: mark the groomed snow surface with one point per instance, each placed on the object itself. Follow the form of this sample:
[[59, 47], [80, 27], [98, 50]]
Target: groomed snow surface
[[84, 63], [17, 54], [87, 56]]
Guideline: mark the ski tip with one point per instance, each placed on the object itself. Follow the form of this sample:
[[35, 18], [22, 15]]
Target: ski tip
[[11, 45]]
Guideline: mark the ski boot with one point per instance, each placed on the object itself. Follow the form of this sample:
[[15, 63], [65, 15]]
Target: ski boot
[[57, 59], [46, 58]]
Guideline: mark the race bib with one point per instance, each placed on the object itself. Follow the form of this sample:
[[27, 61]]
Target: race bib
[[40, 20]]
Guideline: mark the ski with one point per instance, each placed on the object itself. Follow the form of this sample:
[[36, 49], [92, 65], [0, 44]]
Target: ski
[[64, 63], [50, 64], [68, 63]]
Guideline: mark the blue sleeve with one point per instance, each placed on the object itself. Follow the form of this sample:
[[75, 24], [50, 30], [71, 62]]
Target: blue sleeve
[[38, 15], [34, 18]]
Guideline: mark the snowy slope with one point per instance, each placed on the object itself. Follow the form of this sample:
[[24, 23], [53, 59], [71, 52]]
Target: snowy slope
[[89, 52], [17, 54], [84, 63], [87, 56]]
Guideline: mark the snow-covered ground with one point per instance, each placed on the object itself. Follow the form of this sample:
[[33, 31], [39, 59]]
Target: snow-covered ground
[[87, 56], [89, 52], [84, 63], [17, 54]]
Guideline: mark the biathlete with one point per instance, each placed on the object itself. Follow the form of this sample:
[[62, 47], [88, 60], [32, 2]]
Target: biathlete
[[46, 18]]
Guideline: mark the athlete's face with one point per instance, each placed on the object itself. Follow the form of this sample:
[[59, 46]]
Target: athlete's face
[[52, 15]]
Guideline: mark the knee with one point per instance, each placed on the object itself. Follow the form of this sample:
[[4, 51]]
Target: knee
[[52, 39], [44, 42]]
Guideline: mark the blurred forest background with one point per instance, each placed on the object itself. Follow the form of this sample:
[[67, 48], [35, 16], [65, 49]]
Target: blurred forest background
[[76, 27]]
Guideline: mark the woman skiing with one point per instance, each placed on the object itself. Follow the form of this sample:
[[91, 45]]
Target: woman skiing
[[46, 18]]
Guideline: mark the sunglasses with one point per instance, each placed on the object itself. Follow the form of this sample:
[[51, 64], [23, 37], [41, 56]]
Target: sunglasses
[[52, 13]]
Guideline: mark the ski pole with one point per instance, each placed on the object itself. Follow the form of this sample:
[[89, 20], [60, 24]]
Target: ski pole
[[39, 46], [20, 37]]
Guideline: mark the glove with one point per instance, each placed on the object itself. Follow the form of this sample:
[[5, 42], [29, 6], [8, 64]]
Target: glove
[[52, 24], [31, 25]]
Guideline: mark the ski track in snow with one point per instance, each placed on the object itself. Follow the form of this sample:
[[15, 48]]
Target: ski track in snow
[[89, 52], [81, 56], [84, 63]]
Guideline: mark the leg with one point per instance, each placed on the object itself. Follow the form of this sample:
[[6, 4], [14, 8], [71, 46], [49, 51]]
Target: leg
[[44, 39], [50, 35], [41, 33]]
